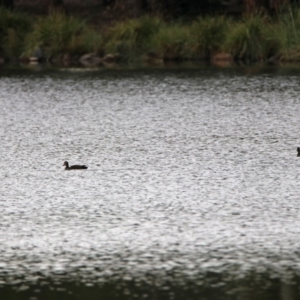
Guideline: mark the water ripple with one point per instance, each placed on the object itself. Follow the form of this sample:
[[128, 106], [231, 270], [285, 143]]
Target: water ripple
[[188, 173]]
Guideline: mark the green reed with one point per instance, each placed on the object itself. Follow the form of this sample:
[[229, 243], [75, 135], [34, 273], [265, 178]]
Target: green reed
[[61, 34], [132, 38], [253, 38], [248, 39], [287, 29], [13, 27], [207, 35]]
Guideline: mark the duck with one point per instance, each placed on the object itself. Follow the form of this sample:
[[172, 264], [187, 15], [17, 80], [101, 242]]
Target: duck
[[298, 149], [74, 167]]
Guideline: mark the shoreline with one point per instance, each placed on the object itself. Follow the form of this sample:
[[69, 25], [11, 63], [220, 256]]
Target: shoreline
[[60, 38]]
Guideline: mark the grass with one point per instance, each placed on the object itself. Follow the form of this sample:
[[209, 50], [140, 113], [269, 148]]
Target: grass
[[253, 38], [60, 34], [248, 39], [13, 27], [287, 29], [170, 42], [133, 37], [208, 35]]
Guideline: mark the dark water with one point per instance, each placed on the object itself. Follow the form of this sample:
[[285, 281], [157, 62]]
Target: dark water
[[192, 190]]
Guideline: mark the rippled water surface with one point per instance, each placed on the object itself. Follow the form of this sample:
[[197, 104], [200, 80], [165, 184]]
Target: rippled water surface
[[191, 172]]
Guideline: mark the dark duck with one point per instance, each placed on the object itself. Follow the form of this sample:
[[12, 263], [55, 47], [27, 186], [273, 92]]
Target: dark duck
[[74, 167], [298, 150]]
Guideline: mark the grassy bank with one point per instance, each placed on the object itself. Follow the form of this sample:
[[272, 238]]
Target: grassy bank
[[255, 38]]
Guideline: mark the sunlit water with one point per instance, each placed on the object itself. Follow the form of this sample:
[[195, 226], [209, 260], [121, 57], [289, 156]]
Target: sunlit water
[[189, 172]]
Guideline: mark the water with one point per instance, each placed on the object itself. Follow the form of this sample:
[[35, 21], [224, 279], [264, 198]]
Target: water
[[192, 186]]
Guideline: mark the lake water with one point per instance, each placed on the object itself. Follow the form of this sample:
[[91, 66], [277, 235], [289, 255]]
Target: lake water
[[192, 189]]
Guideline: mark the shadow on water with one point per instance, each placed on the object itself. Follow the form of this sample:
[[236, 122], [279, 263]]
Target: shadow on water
[[211, 286], [13, 69]]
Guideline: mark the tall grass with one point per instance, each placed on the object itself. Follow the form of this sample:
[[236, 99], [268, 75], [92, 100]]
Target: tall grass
[[170, 42], [133, 37], [208, 35], [59, 34], [246, 40], [287, 29], [250, 39], [13, 27]]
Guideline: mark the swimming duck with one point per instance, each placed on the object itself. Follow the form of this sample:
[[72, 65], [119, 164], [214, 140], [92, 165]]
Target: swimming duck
[[298, 149], [75, 167]]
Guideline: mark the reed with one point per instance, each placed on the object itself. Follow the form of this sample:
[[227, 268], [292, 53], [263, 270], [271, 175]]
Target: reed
[[60, 34], [207, 35], [171, 42], [248, 39], [253, 38], [132, 38], [287, 29], [13, 27]]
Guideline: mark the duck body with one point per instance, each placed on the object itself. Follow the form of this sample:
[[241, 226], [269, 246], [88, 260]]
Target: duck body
[[298, 150], [74, 167]]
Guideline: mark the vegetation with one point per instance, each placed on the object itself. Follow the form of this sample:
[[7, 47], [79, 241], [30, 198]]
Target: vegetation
[[287, 29], [208, 35], [133, 37], [251, 39], [13, 28], [255, 37], [60, 34]]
